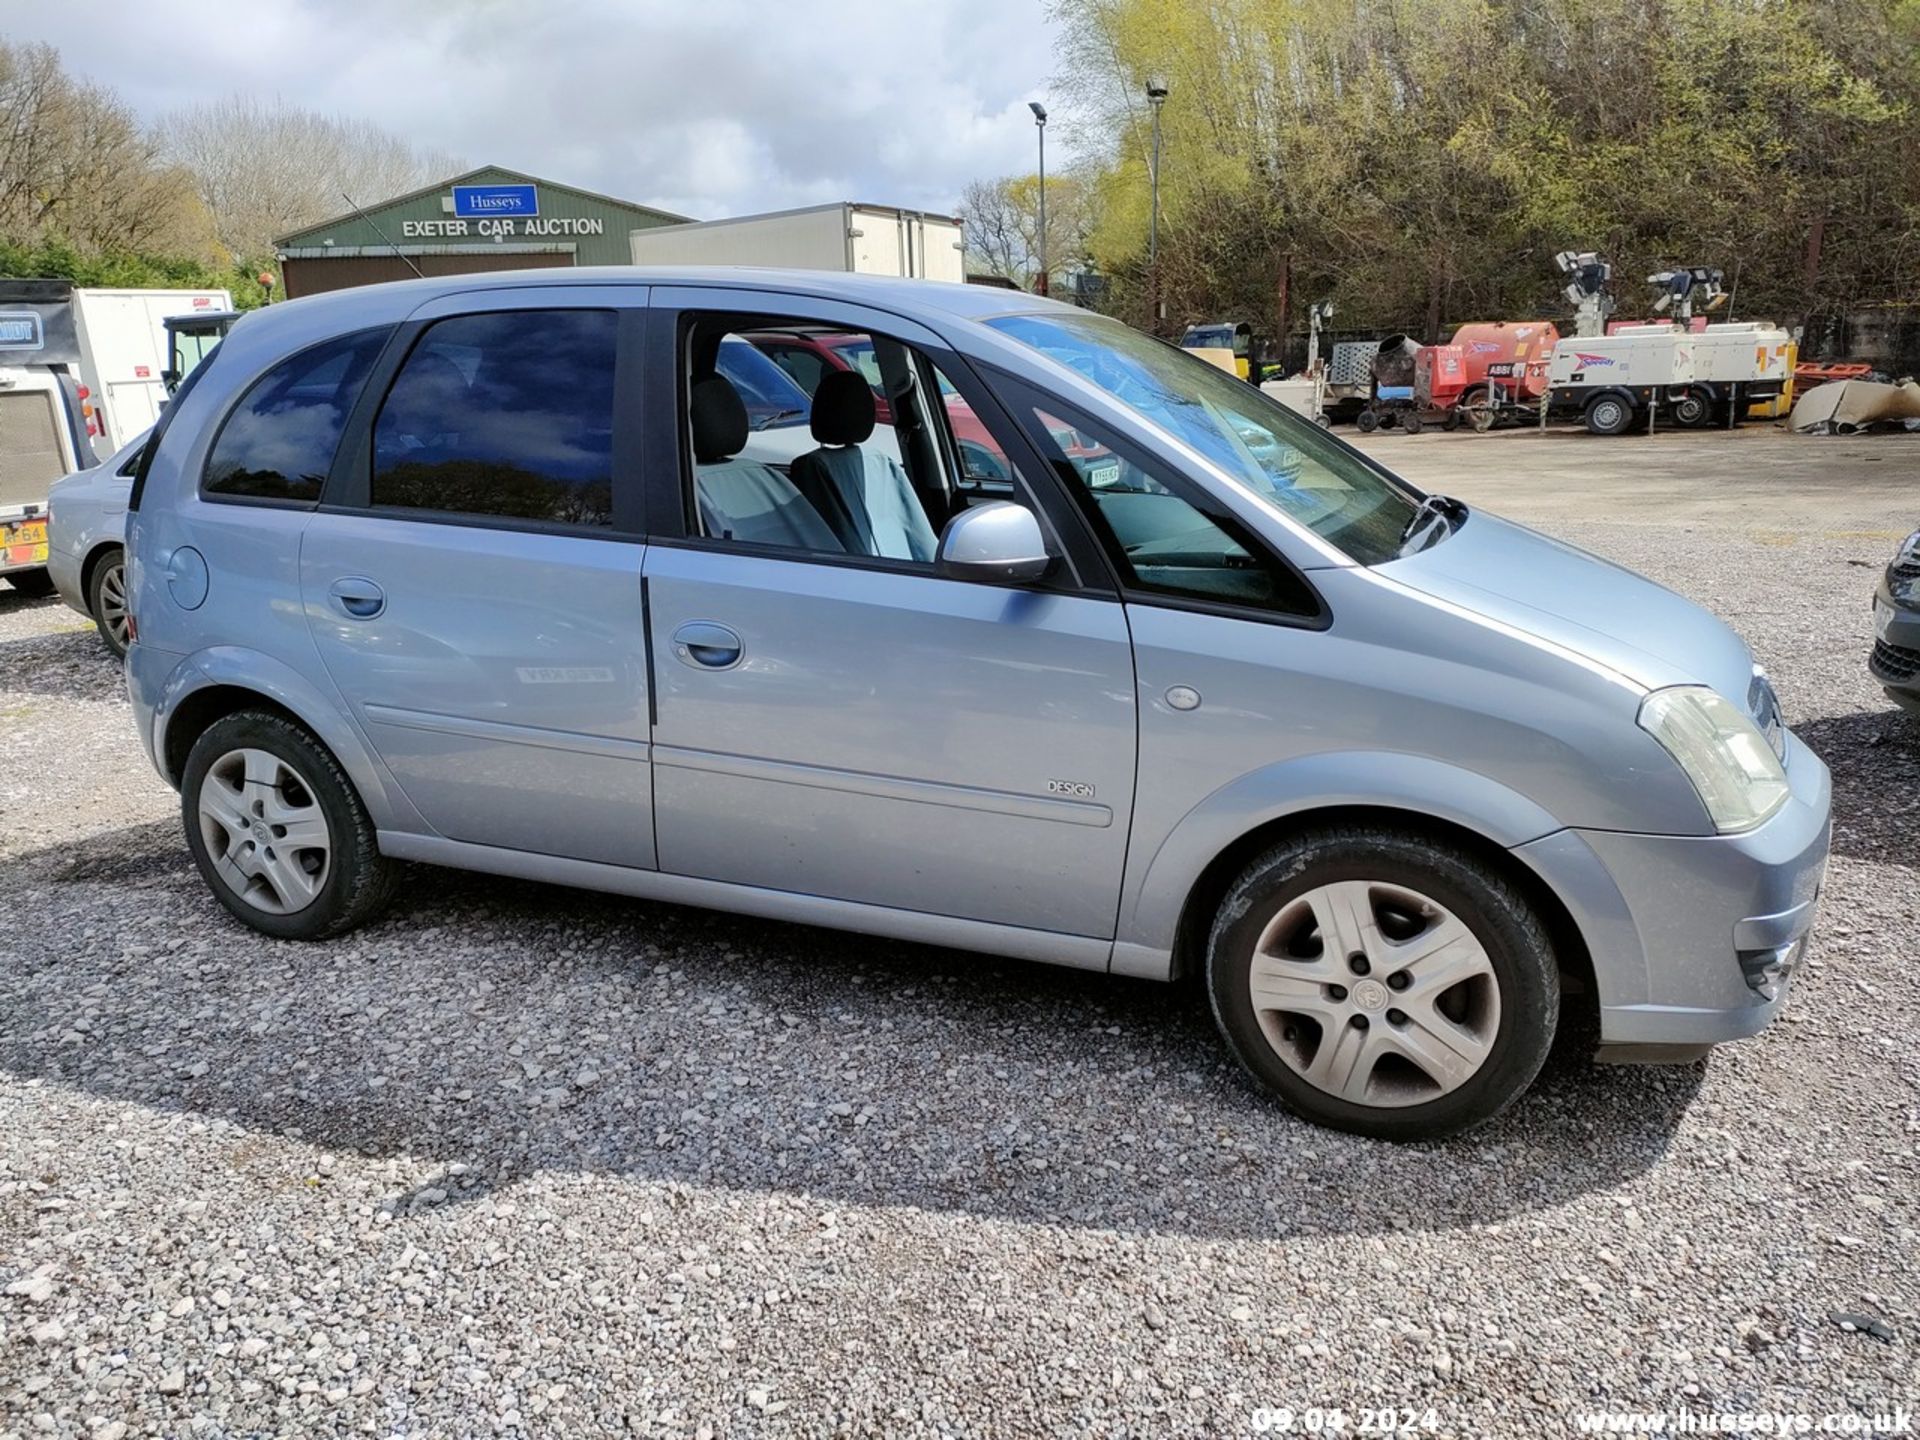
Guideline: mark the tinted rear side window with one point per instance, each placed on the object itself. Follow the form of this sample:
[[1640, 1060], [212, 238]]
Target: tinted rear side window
[[279, 441], [506, 414]]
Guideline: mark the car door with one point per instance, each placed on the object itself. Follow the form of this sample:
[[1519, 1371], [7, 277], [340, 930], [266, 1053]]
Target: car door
[[473, 580], [865, 729]]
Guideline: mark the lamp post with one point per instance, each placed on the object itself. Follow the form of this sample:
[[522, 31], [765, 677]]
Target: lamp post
[[1156, 97], [1040, 125]]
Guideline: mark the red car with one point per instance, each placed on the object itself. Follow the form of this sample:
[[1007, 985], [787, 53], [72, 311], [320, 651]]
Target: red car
[[807, 355]]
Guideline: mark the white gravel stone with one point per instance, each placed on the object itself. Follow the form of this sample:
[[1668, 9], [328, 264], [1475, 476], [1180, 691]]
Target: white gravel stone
[[1065, 1212]]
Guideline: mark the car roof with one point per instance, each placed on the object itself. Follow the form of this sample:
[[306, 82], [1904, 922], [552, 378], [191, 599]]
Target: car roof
[[928, 300]]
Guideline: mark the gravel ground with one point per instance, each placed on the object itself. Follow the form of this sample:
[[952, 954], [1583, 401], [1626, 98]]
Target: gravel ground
[[523, 1160]]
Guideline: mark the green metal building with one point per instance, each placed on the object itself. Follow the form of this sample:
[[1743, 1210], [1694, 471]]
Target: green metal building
[[487, 219]]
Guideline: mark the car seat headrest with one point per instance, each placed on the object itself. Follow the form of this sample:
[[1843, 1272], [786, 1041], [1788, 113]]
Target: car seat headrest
[[843, 412], [719, 420]]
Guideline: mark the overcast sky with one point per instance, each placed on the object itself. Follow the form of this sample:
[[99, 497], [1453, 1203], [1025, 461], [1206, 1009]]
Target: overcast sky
[[703, 107]]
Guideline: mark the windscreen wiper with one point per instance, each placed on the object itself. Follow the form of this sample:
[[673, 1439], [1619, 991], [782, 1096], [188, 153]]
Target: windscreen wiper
[[1430, 509], [777, 416]]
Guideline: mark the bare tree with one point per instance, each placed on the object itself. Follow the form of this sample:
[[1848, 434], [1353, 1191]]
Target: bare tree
[[264, 168], [74, 164], [1001, 221]]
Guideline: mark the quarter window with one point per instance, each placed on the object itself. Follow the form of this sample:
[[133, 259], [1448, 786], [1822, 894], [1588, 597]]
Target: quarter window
[[506, 414], [279, 442], [1166, 544]]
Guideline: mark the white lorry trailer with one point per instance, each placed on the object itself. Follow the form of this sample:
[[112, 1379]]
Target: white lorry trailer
[[855, 239], [1610, 381], [123, 352], [81, 374], [1745, 363]]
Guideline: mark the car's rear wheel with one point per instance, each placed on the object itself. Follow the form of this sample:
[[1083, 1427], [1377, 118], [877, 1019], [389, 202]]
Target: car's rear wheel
[[107, 600], [34, 584], [1383, 983], [278, 831]]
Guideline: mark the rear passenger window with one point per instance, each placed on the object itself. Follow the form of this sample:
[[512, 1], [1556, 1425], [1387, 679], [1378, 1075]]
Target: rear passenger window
[[278, 443], [507, 414]]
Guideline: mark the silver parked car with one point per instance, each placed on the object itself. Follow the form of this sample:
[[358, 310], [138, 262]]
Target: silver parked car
[[87, 538], [482, 571]]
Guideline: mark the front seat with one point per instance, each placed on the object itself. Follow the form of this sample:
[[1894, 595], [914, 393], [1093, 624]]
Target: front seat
[[862, 493], [743, 499]]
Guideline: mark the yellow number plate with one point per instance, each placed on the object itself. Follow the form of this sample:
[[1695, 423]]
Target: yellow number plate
[[25, 543]]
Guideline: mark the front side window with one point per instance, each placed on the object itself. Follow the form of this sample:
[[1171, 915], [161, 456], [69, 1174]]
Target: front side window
[[858, 468], [279, 442], [506, 414], [1167, 544], [1288, 462]]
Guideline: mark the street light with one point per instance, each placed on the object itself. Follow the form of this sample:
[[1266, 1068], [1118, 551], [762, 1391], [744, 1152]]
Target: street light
[[1040, 124], [1156, 97]]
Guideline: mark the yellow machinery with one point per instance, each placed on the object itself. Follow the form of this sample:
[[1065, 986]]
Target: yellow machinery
[[1233, 336]]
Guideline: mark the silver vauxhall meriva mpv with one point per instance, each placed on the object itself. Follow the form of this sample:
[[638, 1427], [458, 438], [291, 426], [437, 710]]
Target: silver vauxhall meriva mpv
[[1027, 634]]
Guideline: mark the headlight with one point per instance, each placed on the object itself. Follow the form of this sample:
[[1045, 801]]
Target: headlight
[[1903, 574], [1729, 762]]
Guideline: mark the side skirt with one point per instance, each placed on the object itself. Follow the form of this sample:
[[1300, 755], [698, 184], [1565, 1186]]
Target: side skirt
[[1077, 951]]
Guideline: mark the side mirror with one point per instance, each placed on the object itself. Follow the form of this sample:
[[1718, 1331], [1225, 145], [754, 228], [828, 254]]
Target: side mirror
[[998, 543]]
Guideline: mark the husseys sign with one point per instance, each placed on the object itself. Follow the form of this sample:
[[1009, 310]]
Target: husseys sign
[[499, 210]]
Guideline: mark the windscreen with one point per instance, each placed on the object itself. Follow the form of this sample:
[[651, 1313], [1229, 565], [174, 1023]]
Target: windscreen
[[1282, 457]]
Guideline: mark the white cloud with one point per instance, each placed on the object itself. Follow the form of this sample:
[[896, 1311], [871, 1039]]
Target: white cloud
[[708, 108]]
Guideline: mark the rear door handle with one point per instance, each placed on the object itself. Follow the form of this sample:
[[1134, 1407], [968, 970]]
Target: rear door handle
[[707, 645], [357, 597]]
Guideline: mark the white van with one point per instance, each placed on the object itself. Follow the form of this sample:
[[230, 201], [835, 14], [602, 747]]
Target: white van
[[42, 437]]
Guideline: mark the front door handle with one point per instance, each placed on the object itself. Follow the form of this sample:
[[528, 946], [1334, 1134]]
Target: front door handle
[[707, 645], [357, 597]]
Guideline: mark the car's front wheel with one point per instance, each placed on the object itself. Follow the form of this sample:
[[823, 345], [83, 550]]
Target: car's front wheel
[[278, 831], [1383, 982]]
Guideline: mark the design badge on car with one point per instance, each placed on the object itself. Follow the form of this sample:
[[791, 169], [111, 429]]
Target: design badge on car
[[1078, 789]]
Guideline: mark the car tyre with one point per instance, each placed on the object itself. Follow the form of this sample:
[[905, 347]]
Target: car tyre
[[1419, 1055], [107, 601], [1608, 415], [278, 831], [34, 584]]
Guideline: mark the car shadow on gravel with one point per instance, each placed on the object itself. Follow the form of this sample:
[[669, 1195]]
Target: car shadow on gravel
[[70, 664], [1875, 759], [486, 1029]]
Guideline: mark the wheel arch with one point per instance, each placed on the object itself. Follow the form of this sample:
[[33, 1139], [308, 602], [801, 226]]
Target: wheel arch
[[1173, 890], [227, 680], [95, 557], [1621, 393], [1211, 886]]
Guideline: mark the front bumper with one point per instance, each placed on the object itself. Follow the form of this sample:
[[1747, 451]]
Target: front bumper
[[1694, 938], [1895, 658]]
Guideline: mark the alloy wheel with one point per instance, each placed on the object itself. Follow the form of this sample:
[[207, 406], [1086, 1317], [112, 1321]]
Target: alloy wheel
[[113, 603], [264, 831], [1375, 993]]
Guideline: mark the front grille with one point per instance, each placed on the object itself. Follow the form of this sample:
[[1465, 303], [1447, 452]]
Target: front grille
[[1895, 664], [1905, 569]]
